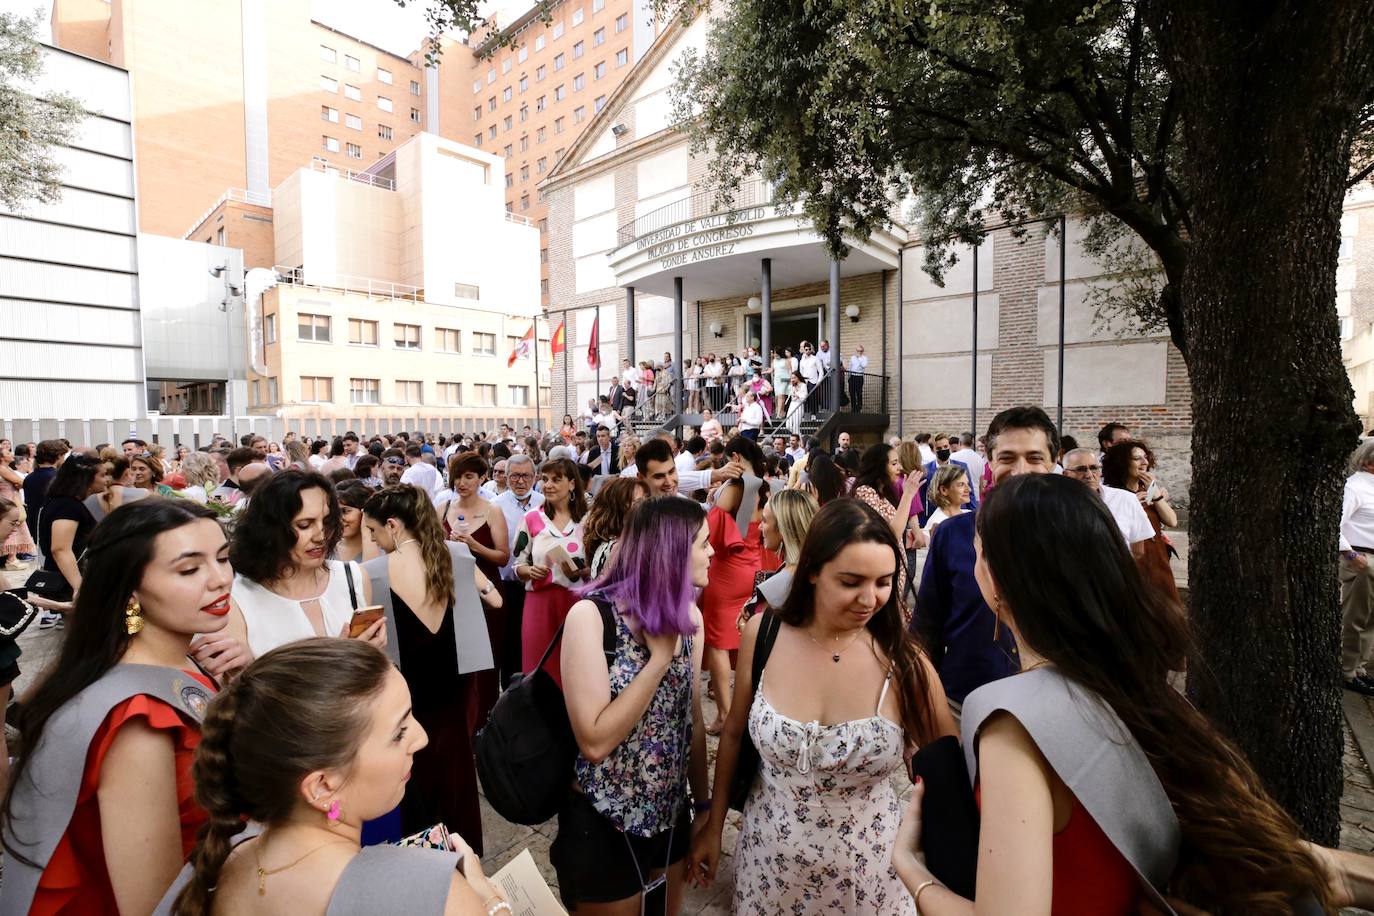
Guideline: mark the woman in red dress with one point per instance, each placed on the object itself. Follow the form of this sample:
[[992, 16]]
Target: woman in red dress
[[157, 573], [736, 560]]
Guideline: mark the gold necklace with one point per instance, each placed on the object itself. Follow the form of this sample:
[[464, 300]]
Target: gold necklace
[[264, 872], [835, 657]]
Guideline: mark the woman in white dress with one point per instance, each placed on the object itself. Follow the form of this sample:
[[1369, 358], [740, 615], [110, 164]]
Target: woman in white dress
[[844, 695], [782, 369], [693, 382], [796, 402], [285, 587]]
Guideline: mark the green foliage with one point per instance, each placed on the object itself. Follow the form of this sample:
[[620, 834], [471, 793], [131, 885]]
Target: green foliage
[[464, 17], [31, 128]]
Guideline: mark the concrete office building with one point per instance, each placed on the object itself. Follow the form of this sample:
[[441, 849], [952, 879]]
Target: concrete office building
[[636, 236]]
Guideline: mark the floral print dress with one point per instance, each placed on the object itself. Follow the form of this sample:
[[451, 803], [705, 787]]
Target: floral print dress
[[822, 817]]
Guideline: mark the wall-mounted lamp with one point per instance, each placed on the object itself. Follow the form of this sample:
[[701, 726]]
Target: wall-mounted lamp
[[714, 328], [754, 303], [853, 312], [619, 130]]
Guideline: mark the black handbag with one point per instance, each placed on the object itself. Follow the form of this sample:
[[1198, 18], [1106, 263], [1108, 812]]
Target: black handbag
[[747, 763], [50, 584], [525, 752], [950, 812], [15, 614]]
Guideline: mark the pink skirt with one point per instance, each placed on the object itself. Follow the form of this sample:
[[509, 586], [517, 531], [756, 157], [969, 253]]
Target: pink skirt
[[545, 611]]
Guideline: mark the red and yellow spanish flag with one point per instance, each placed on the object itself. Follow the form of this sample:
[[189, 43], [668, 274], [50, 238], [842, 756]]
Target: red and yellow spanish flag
[[557, 343]]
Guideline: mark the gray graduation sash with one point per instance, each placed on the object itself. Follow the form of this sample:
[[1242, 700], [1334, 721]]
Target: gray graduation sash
[[749, 501], [776, 485], [1093, 752], [599, 481], [44, 802], [379, 879], [470, 635], [774, 589]]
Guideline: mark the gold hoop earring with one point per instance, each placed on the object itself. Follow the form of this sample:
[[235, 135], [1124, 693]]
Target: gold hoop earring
[[133, 617]]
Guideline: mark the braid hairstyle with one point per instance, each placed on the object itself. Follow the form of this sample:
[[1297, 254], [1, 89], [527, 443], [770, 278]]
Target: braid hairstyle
[[412, 507], [300, 708]]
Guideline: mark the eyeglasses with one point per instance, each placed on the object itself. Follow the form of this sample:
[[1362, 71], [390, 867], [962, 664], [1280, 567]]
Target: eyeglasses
[[1085, 471], [519, 476]]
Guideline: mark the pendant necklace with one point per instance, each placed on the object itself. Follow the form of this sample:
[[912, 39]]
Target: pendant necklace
[[835, 656]]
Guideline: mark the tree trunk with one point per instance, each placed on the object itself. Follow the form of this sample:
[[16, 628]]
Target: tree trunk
[[1268, 98]]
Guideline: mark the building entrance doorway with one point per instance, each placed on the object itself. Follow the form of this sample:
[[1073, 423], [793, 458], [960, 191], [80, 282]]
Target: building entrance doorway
[[789, 329]]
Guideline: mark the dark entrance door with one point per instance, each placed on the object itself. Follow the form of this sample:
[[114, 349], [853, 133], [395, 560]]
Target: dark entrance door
[[789, 329]]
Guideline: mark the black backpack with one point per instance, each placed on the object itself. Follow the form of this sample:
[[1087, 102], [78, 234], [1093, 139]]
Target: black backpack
[[525, 752]]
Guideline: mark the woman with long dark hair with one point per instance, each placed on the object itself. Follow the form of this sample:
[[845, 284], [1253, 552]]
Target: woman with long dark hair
[[876, 484], [1091, 740], [355, 543], [311, 741], [99, 816], [65, 524], [824, 478], [844, 697], [286, 587], [416, 582], [638, 725], [1129, 466], [550, 558]]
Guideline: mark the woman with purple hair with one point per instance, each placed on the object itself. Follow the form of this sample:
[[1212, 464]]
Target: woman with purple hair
[[627, 824]]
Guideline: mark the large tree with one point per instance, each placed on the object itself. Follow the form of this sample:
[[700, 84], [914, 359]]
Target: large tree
[[1218, 135], [31, 128]]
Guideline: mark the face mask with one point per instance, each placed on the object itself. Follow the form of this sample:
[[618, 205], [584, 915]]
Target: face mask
[[942, 454]]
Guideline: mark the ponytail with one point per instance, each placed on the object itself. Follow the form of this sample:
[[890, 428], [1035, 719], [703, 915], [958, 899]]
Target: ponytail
[[411, 507]]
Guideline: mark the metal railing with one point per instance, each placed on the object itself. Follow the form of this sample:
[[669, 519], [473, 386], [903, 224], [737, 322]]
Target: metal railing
[[367, 178], [368, 286], [518, 220], [756, 193], [240, 195]]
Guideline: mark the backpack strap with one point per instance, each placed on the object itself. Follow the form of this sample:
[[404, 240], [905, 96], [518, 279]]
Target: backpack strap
[[352, 591], [608, 634], [763, 647]]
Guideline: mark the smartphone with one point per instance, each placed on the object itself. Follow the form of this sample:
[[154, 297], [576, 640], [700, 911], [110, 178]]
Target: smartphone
[[363, 618]]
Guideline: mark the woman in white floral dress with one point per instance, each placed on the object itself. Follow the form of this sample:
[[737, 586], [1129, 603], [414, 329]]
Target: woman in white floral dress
[[845, 692]]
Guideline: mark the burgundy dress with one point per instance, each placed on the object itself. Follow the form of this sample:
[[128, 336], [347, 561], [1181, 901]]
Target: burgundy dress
[[485, 686], [443, 776]]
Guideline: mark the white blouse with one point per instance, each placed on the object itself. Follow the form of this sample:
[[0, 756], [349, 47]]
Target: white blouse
[[274, 621]]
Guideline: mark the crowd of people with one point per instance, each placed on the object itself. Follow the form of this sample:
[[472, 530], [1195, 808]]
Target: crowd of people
[[279, 657]]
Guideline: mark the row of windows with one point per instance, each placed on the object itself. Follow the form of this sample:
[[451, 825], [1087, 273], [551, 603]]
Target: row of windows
[[329, 84], [318, 389], [352, 150], [622, 57], [364, 333], [622, 23], [329, 55]]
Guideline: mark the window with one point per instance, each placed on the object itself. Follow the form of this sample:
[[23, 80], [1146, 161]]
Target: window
[[540, 103], [353, 92], [407, 336], [506, 65], [415, 115], [506, 94], [384, 131], [519, 395], [272, 397], [540, 72], [541, 135], [491, 104], [313, 327], [362, 333], [543, 255], [599, 70], [510, 179], [600, 103], [467, 291], [579, 82], [524, 53], [383, 76], [484, 344], [525, 172], [328, 84], [579, 49], [544, 223], [622, 22], [598, 5], [544, 287], [539, 43], [269, 330], [354, 151], [352, 63], [508, 122], [414, 87], [558, 63], [491, 132], [476, 86], [450, 393], [365, 390], [491, 75], [622, 57], [524, 113], [541, 164], [477, 140], [329, 114], [558, 126], [486, 395], [353, 121], [409, 391], [524, 82], [477, 113], [577, 16], [316, 389], [328, 54], [557, 154], [507, 152], [558, 30], [331, 144], [524, 201], [524, 142], [579, 114], [559, 93], [599, 37], [446, 340], [383, 103]]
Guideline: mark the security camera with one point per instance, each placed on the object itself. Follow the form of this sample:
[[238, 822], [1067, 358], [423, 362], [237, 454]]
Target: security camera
[[218, 271]]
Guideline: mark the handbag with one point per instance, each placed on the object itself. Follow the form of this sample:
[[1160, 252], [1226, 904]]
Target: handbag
[[747, 763], [525, 752], [15, 614], [50, 584], [950, 812]]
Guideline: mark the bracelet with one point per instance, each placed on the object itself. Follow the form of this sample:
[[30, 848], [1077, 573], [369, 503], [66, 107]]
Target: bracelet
[[916, 897], [701, 807], [500, 906]]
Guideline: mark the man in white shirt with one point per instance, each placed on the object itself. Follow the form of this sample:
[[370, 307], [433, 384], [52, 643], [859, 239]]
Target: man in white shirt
[[923, 443], [811, 371], [1081, 464], [969, 456], [518, 499], [795, 449], [686, 460], [858, 365], [351, 451], [1357, 572], [750, 417], [657, 470], [497, 485], [609, 420], [421, 473]]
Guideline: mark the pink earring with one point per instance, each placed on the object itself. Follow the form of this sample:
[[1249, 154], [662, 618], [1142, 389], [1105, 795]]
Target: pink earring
[[333, 813]]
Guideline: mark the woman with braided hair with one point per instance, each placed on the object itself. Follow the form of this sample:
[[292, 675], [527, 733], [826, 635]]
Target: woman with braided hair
[[308, 742], [99, 815]]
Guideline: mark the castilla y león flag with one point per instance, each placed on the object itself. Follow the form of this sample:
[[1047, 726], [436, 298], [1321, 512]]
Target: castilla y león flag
[[523, 349]]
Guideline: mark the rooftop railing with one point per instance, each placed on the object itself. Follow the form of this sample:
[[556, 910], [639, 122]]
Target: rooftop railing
[[367, 178], [240, 195], [367, 286]]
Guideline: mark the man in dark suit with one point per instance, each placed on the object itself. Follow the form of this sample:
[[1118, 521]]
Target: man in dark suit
[[617, 395], [602, 458]]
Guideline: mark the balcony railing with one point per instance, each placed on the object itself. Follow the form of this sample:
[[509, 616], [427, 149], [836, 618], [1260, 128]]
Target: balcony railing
[[239, 195], [367, 178], [756, 193], [367, 286]]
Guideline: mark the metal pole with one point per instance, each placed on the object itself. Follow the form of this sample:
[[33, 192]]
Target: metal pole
[[677, 347], [973, 407], [1063, 247], [766, 317], [630, 324], [567, 405], [882, 394], [901, 347], [537, 418], [834, 322]]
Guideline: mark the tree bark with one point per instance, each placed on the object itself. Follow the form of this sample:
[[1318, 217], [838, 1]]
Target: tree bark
[[1268, 93]]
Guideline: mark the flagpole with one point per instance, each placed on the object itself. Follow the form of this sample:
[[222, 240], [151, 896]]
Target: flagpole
[[537, 418]]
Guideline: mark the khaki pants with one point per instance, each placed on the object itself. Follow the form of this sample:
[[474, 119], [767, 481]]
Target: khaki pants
[[1357, 616]]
